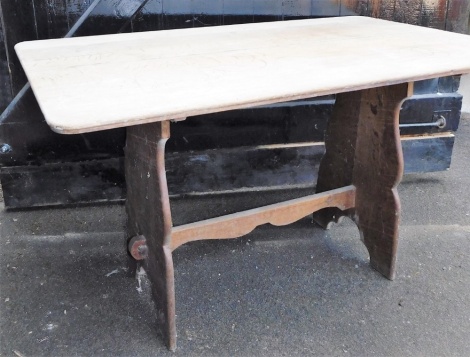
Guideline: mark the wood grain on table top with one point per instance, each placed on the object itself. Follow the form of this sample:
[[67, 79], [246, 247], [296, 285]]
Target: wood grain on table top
[[101, 82]]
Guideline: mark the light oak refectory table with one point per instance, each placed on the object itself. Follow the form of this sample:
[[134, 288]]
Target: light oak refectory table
[[143, 81]]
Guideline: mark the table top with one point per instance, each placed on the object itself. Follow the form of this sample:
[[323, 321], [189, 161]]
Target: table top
[[101, 82]]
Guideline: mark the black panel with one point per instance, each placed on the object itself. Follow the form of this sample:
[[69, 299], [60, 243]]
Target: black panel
[[427, 154], [30, 141], [198, 172], [19, 24], [448, 84], [427, 108], [5, 83], [296, 122], [58, 184]]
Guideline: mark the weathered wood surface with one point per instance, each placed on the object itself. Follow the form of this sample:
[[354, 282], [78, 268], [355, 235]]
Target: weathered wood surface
[[235, 170], [173, 75], [337, 164], [450, 15], [148, 211], [278, 214], [377, 171], [363, 149]]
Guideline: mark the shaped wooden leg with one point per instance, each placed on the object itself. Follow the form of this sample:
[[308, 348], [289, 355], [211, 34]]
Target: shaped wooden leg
[[378, 169], [149, 215], [363, 148]]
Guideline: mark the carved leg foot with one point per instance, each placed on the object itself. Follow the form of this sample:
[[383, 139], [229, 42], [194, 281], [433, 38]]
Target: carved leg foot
[[148, 211]]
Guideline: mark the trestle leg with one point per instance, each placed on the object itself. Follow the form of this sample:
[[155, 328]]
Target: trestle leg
[[149, 215], [363, 148]]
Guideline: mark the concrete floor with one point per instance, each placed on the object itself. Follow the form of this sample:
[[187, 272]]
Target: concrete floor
[[280, 291]]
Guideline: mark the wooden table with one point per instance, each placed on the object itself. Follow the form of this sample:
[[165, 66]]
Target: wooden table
[[144, 80]]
